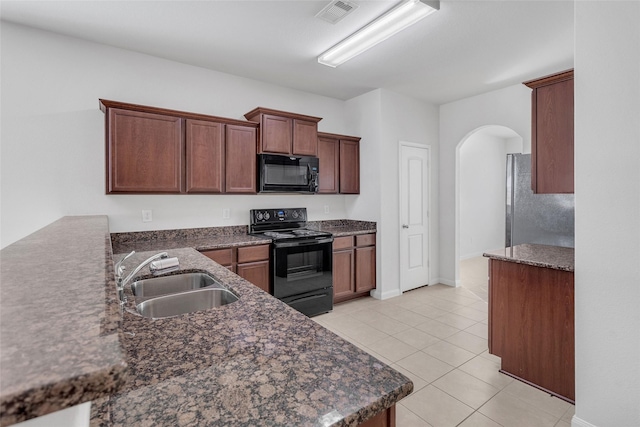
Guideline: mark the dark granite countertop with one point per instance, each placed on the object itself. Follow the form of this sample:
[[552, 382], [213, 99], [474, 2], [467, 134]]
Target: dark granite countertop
[[554, 257], [344, 227], [59, 320], [204, 239], [201, 239], [253, 362]]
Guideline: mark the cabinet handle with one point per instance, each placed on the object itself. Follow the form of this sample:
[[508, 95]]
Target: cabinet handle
[[405, 226]]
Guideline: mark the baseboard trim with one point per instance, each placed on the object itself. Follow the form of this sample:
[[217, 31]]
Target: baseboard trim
[[448, 282], [578, 422], [385, 295]]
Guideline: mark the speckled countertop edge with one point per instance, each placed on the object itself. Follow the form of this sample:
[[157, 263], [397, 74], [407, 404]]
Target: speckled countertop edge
[[119, 366], [289, 369], [554, 257], [60, 333]]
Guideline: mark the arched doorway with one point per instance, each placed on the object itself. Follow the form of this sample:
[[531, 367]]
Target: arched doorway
[[480, 200]]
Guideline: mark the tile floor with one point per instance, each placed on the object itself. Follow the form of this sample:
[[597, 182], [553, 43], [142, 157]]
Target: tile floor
[[437, 336]]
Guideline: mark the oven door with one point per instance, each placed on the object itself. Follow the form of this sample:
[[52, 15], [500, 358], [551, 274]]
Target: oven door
[[300, 267]]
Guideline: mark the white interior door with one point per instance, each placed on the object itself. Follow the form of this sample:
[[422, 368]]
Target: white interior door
[[414, 216]]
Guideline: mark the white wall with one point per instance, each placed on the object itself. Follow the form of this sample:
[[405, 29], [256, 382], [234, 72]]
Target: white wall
[[52, 138], [509, 107], [482, 194], [607, 194], [390, 118]]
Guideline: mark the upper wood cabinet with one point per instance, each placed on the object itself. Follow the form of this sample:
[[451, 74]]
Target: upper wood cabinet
[[155, 150], [552, 133], [144, 152], [350, 166], [329, 164], [205, 157], [241, 159], [339, 163], [282, 132], [305, 137]]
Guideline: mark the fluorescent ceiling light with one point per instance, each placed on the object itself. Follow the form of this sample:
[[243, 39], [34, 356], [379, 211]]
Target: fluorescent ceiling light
[[397, 19]]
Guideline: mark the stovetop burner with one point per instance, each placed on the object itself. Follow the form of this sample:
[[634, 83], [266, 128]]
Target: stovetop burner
[[292, 234], [279, 224]]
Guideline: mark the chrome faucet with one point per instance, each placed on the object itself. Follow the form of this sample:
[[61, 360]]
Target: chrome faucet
[[142, 265], [120, 268], [120, 282]]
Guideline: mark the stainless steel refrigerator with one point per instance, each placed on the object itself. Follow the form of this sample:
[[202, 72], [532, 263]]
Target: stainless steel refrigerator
[[546, 219]]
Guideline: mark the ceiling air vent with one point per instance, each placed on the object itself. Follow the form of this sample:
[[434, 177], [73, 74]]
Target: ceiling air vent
[[336, 10]]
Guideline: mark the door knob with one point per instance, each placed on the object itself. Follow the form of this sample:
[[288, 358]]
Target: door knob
[[405, 226]]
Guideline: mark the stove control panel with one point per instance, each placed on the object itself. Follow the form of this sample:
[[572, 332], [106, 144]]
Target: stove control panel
[[272, 216]]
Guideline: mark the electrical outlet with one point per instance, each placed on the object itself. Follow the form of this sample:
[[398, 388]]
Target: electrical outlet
[[326, 209], [147, 216], [226, 213]]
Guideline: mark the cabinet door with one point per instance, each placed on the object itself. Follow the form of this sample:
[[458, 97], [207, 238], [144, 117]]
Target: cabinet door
[[305, 138], [276, 134], [145, 152], [343, 273], [365, 268], [349, 167], [205, 156], [328, 155], [552, 146], [531, 321], [224, 257], [256, 273], [385, 418], [240, 159]]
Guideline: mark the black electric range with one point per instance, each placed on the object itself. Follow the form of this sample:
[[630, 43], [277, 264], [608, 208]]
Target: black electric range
[[301, 259]]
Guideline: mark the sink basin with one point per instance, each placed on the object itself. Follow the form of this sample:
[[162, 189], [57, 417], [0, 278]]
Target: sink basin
[[156, 286], [185, 302]]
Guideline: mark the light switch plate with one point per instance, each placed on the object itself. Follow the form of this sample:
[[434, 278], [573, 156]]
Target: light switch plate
[[226, 213], [326, 208], [147, 216]]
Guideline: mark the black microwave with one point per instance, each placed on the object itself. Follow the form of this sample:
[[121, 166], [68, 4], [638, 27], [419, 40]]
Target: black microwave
[[287, 174]]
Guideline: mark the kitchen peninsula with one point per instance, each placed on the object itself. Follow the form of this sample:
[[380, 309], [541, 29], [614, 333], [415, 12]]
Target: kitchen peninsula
[[255, 361], [531, 315]]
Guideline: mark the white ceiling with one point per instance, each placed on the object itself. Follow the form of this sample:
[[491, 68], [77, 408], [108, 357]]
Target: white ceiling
[[464, 49]]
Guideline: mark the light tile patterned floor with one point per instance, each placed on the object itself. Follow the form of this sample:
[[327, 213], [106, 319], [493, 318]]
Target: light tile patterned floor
[[437, 336]]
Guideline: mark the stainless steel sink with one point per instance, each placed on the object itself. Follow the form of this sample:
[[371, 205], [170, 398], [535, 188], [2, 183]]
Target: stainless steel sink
[[156, 286], [185, 302]]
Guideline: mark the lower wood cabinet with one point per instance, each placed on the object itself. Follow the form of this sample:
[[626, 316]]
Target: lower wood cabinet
[[385, 418], [249, 262], [531, 325], [354, 266]]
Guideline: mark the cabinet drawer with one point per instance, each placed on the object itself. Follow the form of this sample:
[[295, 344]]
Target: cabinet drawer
[[366, 240], [342, 242], [253, 253], [223, 257]]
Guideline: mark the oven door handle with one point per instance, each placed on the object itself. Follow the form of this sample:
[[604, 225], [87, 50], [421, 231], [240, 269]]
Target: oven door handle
[[307, 298], [303, 242]]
